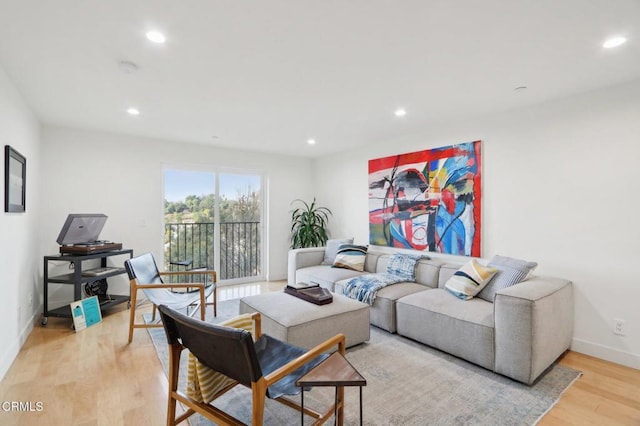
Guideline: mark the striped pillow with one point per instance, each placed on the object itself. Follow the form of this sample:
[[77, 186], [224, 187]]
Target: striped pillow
[[350, 256], [469, 280], [510, 271], [203, 383]]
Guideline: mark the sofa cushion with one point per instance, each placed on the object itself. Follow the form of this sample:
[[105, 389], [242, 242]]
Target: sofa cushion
[[510, 271], [351, 256], [445, 272], [469, 280], [427, 271], [383, 311], [324, 275], [439, 319], [331, 249], [371, 262]]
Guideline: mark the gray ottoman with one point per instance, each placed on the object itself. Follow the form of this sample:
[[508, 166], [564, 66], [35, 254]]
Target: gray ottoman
[[304, 324]]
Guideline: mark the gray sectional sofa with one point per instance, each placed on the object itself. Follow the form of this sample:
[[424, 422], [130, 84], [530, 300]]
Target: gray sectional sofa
[[526, 328]]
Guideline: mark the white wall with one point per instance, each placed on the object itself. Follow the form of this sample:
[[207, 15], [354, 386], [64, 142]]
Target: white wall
[[560, 186], [121, 176], [19, 253]]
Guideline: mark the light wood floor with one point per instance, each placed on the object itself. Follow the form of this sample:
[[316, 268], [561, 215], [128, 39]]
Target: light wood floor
[[95, 378]]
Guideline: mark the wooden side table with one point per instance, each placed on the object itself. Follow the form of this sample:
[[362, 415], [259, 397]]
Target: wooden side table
[[333, 371]]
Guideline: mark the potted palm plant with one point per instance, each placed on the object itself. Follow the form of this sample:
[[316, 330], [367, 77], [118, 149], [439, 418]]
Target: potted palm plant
[[309, 224]]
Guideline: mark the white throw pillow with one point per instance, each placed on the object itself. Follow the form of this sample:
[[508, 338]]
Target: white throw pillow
[[469, 280], [331, 249]]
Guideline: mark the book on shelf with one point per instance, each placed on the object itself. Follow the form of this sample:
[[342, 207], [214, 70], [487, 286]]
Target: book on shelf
[[316, 294], [302, 286]]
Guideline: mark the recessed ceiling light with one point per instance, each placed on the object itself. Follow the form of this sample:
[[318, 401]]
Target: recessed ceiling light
[[400, 112], [311, 141], [156, 37], [614, 42], [133, 111]]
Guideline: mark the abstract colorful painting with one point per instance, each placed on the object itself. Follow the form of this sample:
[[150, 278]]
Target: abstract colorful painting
[[427, 200]]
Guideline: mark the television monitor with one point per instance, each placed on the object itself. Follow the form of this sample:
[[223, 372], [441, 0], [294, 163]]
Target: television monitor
[[81, 228]]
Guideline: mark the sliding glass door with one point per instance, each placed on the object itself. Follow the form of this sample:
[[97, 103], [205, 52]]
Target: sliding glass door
[[214, 220]]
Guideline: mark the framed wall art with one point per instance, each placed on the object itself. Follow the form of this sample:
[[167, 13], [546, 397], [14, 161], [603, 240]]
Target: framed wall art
[[15, 174], [427, 200]]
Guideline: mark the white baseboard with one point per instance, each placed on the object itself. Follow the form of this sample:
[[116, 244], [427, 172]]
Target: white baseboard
[[607, 353], [7, 358]]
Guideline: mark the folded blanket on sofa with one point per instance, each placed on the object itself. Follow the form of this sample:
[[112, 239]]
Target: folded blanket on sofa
[[365, 287]]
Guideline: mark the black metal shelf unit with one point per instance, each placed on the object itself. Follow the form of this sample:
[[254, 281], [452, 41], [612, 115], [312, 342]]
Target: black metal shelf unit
[[78, 279]]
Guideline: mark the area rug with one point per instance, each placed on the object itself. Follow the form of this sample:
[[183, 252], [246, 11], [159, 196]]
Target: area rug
[[407, 384]]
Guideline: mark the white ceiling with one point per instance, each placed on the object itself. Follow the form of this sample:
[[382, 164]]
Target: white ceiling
[[268, 75]]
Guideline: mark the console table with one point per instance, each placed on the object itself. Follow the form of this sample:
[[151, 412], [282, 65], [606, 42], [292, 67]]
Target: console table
[[333, 371], [77, 278]]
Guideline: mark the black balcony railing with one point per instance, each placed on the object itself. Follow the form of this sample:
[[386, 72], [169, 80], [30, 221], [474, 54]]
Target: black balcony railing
[[191, 246]]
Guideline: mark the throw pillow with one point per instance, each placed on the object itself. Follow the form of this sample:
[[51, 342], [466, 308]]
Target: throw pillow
[[331, 249], [510, 271], [351, 256], [404, 265], [469, 280], [203, 383]]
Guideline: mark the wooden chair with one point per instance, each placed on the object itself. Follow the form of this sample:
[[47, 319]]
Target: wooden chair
[[144, 275], [264, 366]]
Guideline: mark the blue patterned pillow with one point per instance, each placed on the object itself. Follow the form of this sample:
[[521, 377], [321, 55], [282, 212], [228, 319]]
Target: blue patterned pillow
[[404, 265], [351, 256]]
